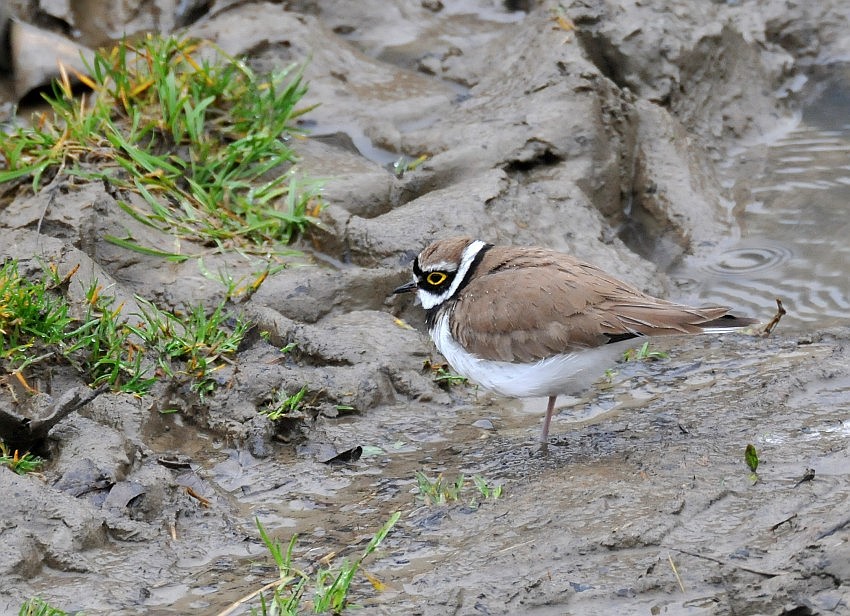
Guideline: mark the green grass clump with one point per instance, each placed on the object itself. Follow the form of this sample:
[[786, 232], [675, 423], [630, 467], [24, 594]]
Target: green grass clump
[[40, 607], [440, 491], [105, 346], [101, 346], [199, 136], [29, 312], [192, 344], [330, 585]]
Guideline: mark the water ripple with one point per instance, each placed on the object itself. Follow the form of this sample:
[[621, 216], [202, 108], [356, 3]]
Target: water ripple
[[795, 232], [747, 260]]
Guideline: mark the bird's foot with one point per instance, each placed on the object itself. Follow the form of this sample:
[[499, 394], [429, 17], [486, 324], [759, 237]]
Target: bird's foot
[[542, 450]]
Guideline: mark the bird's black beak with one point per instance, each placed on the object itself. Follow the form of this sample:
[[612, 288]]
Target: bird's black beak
[[406, 288]]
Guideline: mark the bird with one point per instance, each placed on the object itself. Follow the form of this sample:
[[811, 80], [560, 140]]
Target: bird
[[532, 322]]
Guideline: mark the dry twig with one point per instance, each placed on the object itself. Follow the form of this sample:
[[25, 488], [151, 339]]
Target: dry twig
[[771, 325], [720, 561], [676, 573], [205, 502]]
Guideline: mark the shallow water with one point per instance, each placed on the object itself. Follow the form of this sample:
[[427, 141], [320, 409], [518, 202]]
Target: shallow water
[[795, 224]]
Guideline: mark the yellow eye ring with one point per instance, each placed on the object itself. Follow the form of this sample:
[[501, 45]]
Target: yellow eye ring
[[436, 278]]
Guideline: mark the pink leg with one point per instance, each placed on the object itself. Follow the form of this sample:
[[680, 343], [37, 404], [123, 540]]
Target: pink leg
[[550, 408]]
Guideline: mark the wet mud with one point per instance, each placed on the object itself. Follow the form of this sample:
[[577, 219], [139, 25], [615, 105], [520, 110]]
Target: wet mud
[[603, 129]]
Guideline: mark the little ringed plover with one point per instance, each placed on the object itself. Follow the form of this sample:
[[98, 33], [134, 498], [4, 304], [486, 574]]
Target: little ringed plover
[[528, 322]]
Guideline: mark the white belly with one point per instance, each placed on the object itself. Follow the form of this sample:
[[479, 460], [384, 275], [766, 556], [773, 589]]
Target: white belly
[[569, 373]]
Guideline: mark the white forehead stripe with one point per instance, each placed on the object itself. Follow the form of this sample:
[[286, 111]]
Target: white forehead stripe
[[442, 266], [429, 300]]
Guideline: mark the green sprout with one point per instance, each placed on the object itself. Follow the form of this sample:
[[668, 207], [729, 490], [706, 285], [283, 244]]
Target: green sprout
[[751, 457], [438, 491], [284, 404], [40, 607], [485, 489], [21, 464], [442, 375], [644, 354], [331, 586]]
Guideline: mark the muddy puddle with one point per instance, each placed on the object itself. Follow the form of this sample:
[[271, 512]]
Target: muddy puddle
[[545, 125]]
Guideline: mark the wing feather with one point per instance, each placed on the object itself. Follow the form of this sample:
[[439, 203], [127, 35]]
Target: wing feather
[[525, 305]]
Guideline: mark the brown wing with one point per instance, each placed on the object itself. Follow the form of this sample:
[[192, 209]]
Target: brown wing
[[529, 304]]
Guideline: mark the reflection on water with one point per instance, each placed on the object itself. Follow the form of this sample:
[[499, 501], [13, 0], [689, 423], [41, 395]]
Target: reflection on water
[[796, 224]]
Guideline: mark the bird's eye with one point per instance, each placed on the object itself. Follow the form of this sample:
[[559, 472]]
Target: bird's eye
[[436, 278]]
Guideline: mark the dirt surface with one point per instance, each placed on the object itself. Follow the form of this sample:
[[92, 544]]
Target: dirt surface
[[595, 128]]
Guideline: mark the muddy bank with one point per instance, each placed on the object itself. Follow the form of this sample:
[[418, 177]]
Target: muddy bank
[[653, 511], [594, 128]]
